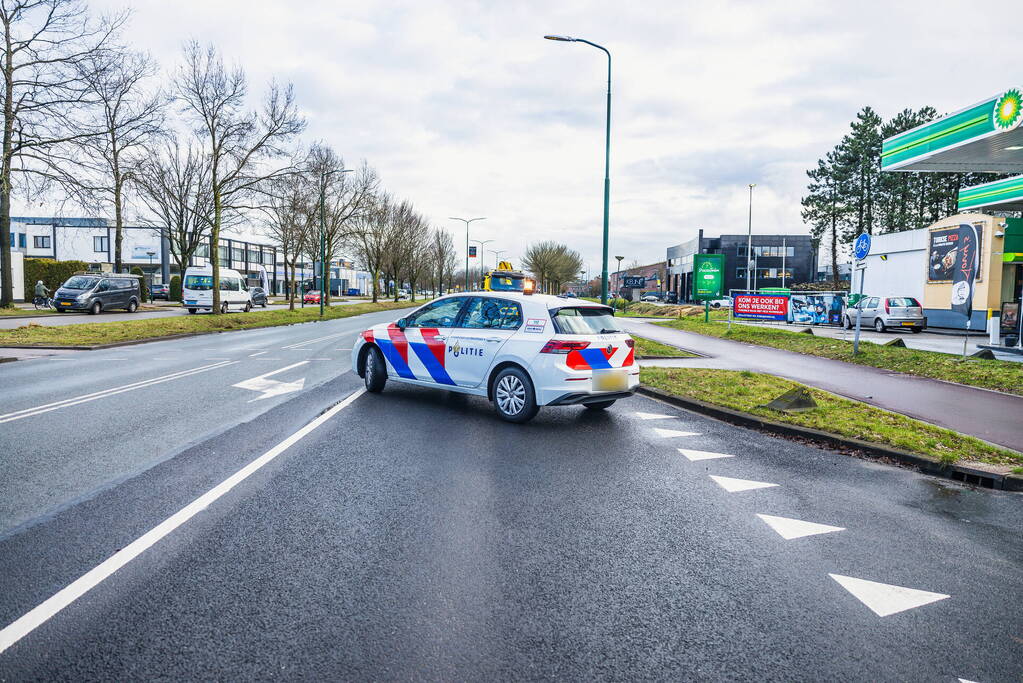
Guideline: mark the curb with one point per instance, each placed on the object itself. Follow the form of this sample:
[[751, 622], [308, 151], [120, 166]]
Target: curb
[[969, 475]]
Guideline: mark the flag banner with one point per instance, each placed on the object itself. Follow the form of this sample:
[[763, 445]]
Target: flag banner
[[964, 269]]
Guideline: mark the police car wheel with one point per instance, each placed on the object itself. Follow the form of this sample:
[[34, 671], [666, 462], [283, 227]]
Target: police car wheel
[[599, 405], [514, 399], [375, 372]]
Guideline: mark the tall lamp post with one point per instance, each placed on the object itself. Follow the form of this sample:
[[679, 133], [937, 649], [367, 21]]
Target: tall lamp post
[[607, 157], [749, 239], [618, 279], [497, 256], [323, 231], [483, 258], [466, 221]]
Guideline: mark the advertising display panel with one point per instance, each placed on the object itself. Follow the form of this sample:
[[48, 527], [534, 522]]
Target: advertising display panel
[[761, 306], [708, 276], [816, 309], [942, 246], [633, 281]]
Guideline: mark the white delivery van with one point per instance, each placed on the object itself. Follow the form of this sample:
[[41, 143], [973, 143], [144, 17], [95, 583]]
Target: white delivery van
[[197, 290]]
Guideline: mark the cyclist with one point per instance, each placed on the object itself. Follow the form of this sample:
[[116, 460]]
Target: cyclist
[[42, 294]]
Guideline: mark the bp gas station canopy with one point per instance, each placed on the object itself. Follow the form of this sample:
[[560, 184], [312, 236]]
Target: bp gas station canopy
[[986, 137]]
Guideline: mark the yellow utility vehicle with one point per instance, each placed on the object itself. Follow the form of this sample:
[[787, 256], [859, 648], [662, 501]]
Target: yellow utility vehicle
[[506, 279]]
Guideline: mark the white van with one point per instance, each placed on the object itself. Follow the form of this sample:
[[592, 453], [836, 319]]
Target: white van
[[197, 290]]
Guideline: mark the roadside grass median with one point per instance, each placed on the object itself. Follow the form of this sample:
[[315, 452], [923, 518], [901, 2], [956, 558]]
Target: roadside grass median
[[747, 392], [1006, 376], [648, 348], [92, 334], [19, 312]]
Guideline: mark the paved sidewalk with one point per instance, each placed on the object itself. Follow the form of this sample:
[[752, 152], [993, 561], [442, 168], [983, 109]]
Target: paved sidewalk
[[988, 415]]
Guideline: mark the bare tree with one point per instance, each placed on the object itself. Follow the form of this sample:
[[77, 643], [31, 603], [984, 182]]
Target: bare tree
[[238, 142], [129, 119], [369, 238], [173, 184], [287, 215], [442, 256], [45, 47]]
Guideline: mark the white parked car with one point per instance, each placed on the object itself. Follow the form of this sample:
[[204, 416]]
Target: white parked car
[[197, 290], [723, 302], [520, 351]]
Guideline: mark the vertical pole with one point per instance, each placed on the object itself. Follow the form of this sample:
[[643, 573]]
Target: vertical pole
[[859, 314], [467, 256], [749, 239], [966, 336], [607, 182], [706, 311], [323, 241], [783, 250]]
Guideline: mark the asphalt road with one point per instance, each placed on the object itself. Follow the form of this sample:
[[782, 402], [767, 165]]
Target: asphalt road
[[988, 415], [120, 316], [412, 535]]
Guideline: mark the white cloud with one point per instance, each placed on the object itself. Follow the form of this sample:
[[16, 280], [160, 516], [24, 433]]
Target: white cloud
[[464, 109]]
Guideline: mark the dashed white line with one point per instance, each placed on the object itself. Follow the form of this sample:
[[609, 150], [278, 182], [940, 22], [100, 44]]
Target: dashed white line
[[735, 485], [790, 529], [652, 416], [668, 433], [693, 456], [884, 599], [253, 355], [38, 616]]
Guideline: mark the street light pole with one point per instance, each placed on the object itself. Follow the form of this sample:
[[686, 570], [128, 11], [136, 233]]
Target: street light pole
[[497, 256], [466, 221], [749, 240], [618, 280], [323, 231], [483, 260], [607, 158]]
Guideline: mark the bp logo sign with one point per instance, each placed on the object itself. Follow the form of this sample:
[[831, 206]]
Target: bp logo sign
[[1008, 111]]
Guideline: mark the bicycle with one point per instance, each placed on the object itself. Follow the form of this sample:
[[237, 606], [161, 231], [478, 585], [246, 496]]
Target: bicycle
[[42, 302]]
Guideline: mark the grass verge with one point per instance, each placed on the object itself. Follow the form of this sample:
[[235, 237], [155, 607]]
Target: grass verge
[[89, 334], [999, 375], [747, 391], [648, 348], [25, 311]]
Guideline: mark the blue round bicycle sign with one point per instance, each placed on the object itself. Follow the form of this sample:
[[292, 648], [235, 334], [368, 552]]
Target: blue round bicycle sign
[[862, 246]]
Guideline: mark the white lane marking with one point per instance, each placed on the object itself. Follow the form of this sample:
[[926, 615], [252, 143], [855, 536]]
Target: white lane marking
[[347, 349], [313, 341], [652, 416], [299, 349], [668, 433], [884, 599], [693, 456], [319, 359], [796, 528], [253, 355], [29, 412], [42, 613], [963, 680], [736, 485], [269, 388], [63, 359]]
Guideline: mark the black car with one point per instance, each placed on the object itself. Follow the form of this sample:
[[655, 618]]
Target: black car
[[160, 292], [259, 296], [671, 298]]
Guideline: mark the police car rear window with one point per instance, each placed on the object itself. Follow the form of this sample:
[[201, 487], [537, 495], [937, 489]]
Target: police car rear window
[[588, 320]]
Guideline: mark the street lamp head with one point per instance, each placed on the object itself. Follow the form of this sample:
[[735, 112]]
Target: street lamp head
[[752, 185], [619, 257], [564, 39]]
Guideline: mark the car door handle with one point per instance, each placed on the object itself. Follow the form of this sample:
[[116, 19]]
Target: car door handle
[[441, 337], [493, 339]]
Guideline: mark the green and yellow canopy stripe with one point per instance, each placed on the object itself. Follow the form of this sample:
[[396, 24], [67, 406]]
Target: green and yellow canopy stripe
[[997, 192]]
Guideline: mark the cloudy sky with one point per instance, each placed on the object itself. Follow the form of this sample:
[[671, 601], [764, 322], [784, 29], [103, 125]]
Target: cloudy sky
[[465, 110]]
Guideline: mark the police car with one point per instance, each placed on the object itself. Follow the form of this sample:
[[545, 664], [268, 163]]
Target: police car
[[521, 351]]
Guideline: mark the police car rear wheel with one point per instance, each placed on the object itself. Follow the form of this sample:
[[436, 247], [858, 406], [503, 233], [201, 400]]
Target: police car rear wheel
[[599, 405], [514, 399], [375, 373]]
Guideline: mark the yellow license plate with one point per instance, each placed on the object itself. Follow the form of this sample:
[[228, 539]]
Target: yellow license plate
[[907, 324], [65, 303], [610, 380]]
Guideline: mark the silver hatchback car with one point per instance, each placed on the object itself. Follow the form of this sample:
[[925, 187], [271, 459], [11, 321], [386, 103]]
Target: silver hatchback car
[[881, 313]]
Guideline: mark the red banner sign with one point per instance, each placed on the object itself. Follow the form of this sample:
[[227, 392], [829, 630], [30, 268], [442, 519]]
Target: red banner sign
[[761, 306]]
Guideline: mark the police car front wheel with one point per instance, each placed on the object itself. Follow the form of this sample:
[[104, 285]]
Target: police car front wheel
[[375, 372], [514, 399]]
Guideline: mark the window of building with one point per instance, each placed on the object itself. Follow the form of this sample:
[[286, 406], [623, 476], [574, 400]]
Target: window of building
[[255, 255], [100, 243], [41, 241], [21, 240], [237, 254]]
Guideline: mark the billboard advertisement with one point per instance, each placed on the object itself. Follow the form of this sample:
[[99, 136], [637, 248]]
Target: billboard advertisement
[[633, 281], [708, 276], [816, 309], [942, 246], [761, 306]]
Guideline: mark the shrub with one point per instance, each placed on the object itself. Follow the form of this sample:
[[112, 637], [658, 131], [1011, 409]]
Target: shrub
[[175, 288], [52, 273], [142, 282]]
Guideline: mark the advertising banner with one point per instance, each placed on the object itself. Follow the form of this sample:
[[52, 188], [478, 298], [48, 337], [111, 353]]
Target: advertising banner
[[964, 270], [472, 252], [633, 281], [761, 306], [708, 276], [816, 309], [941, 252], [139, 252]]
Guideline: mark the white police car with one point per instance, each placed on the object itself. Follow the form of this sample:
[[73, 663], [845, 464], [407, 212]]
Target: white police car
[[520, 351]]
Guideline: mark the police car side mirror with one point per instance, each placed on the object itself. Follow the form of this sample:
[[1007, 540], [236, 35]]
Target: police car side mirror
[[402, 323]]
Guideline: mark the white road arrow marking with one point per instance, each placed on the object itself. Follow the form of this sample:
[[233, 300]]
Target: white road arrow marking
[[735, 485], [796, 528], [271, 387], [884, 599], [668, 433], [693, 456], [652, 416]]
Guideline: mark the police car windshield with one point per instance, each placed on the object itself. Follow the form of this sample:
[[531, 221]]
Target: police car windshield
[[588, 320]]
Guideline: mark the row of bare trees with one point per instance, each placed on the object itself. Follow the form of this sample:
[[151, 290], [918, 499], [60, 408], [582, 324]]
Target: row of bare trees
[[85, 120], [553, 264]]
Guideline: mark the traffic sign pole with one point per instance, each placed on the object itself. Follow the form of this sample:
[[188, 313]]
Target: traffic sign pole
[[861, 249]]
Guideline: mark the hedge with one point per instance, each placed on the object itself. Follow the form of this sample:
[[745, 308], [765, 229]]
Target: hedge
[[175, 288], [52, 273], [142, 282]]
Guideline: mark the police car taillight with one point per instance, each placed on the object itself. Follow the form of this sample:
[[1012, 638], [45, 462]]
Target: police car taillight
[[630, 342], [559, 346]]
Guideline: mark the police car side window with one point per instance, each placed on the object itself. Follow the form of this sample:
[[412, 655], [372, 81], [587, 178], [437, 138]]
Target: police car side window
[[438, 314], [492, 314]]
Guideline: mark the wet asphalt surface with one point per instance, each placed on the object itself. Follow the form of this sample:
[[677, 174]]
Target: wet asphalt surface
[[414, 536]]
